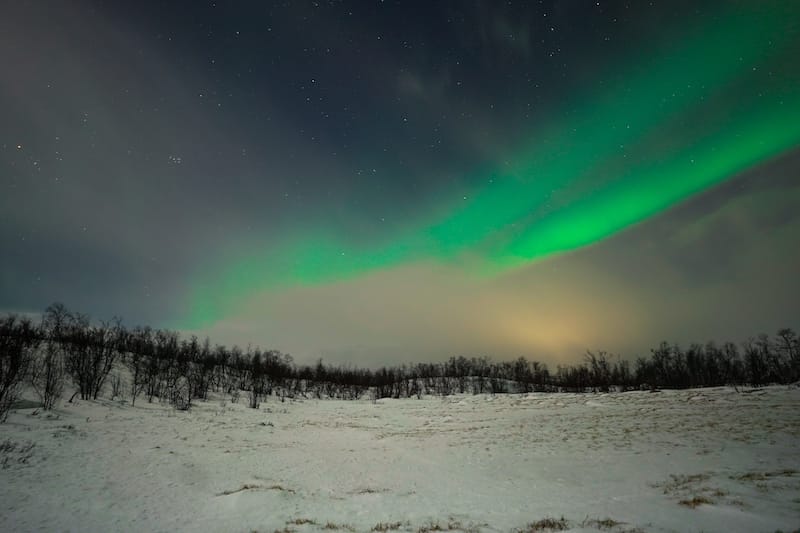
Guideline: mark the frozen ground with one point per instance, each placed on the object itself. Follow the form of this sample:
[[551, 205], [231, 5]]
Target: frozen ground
[[710, 460]]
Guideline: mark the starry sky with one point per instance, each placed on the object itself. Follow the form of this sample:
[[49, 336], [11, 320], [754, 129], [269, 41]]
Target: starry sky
[[377, 182]]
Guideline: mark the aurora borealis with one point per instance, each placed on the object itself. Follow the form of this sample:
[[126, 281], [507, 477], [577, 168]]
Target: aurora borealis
[[379, 181]]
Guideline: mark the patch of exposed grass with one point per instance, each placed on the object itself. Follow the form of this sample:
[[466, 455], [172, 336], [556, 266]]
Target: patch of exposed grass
[[246, 486], [301, 521], [369, 490], [281, 488], [696, 501], [604, 523], [451, 525], [387, 526], [546, 524], [431, 526], [253, 486], [15, 453], [330, 526], [738, 503], [680, 482], [763, 476]]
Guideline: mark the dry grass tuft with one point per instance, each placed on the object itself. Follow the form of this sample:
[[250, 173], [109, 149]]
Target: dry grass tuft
[[677, 483], [330, 526], [605, 523], [432, 526], [301, 521], [253, 486], [696, 501], [369, 490], [763, 476], [546, 524], [452, 525], [387, 526]]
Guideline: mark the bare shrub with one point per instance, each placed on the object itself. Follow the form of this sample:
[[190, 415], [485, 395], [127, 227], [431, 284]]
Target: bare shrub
[[180, 394]]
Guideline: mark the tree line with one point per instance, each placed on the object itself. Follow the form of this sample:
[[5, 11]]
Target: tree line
[[159, 365]]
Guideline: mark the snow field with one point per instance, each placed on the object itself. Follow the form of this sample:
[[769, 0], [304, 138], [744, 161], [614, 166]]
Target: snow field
[[696, 460]]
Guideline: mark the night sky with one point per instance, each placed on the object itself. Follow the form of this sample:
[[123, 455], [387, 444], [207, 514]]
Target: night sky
[[386, 181]]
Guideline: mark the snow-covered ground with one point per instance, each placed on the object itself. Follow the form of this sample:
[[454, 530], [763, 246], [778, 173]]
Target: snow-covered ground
[[710, 460]]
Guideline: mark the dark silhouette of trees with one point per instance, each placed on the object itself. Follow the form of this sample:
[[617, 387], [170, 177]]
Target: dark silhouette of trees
[[159, 364]]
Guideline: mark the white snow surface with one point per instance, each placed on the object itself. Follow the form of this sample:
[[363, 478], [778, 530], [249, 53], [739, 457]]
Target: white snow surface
[[462, 463]]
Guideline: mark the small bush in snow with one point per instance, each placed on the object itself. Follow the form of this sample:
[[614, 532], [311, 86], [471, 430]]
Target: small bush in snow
[[181, 394]]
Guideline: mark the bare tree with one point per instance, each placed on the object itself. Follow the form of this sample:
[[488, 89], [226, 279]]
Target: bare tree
[[47, 375], [755, 363], [140, 351], [48, 367], [257, 376], [789, 347], [93, 351], [600, 370], [18, 339]]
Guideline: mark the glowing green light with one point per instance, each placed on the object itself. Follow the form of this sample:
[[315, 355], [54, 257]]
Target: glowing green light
[[657, 133]]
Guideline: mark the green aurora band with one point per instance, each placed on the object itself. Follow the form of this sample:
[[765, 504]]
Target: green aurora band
[[722, 101]]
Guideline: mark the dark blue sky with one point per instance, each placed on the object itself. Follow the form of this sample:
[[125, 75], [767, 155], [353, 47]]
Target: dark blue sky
[[159, 159]]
